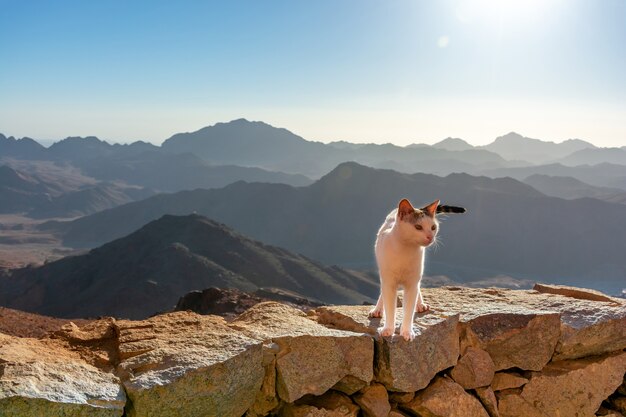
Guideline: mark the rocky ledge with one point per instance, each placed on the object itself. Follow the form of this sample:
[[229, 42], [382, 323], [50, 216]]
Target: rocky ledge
[[547, 352]]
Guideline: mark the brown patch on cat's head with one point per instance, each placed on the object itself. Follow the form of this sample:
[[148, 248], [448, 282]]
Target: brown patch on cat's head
[[431, 209]]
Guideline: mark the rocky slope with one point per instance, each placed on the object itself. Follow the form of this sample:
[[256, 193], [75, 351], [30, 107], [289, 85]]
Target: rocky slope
[[480, 352]]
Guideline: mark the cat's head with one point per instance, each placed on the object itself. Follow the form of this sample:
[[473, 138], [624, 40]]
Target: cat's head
[[418, 225]]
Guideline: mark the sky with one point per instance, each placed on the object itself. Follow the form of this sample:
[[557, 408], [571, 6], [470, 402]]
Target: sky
[[357, 70]]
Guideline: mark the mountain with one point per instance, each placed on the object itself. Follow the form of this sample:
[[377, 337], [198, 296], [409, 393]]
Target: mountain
[[148, 270], [38, 198], [453, 144], [245, 143], [601, 175], [595, 156], [510, 228], [88, 201], [20, 191], [570, 188], [173, 172], [26, 148], [514, 146], [141, 164]]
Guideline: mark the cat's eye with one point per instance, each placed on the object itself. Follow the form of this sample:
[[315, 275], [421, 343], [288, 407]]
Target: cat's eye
[[418, 227], [434, 227]]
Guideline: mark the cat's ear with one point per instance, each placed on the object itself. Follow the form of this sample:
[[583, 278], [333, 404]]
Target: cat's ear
[[405, 208], [431, 209]]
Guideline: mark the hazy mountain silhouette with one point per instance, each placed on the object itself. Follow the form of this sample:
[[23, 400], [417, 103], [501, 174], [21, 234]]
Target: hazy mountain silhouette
[[510, 228], [24, 148], [241, 142], [514, 146], [601, 175], [148, 271], [453, 144], [570, 188], [595, 156]]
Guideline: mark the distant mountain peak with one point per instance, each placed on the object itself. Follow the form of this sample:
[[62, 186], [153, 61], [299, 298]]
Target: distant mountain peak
[[453, 144]]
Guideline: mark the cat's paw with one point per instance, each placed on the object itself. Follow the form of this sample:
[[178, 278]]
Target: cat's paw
[[421, 308], [407, 334], [376, 313], [386, 331]]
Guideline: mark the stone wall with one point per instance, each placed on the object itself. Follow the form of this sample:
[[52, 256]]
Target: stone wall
[[479, 352]]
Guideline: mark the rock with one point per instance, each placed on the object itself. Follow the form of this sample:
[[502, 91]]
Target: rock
[[566, 388], [587, 327], [96, 342], [311, 358], [292, 410], [396, 413], [474, 369], [524, 340], [330, 404], [42, 378], [622, 388], [184, 364], [349, 385], [507, 380], [266, 400], [605, 412], [400, 365], [410, 366], [618, 403], [401, 397], [488, 400], [445, 397], [374, 401], [573, 292], [229, 302]]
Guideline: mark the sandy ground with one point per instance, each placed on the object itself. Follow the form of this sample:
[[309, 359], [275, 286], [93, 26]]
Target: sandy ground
[[22, 244]]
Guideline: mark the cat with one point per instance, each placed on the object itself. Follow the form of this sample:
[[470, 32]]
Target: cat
[[400, 245]]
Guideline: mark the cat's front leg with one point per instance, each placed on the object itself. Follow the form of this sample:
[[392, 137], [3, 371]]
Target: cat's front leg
[[377, 311], [389, 295], [421, 306], [408, 309]]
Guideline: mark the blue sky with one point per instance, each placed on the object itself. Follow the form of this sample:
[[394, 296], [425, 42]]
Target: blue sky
[[364, 71]]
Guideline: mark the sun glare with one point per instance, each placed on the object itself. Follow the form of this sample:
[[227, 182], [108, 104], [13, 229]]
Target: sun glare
[[501, 12]]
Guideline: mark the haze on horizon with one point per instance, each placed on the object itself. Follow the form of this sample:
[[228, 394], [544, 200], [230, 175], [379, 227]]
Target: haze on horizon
[[402, 72]]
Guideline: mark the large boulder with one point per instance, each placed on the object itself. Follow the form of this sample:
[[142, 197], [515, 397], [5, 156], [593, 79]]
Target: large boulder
[[518, 339], [573, 388], [310, 358], [184, 364], [588, 327], [43, 378], [445, 397]]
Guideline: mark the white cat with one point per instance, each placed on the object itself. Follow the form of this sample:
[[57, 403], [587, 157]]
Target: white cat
[[400, 247]]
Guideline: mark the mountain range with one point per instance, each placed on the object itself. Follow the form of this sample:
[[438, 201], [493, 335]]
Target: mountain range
[[510, 227], [40, 198], [148, 270]]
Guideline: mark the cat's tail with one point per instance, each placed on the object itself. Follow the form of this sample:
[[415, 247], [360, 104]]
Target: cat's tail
[[450, 209]]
